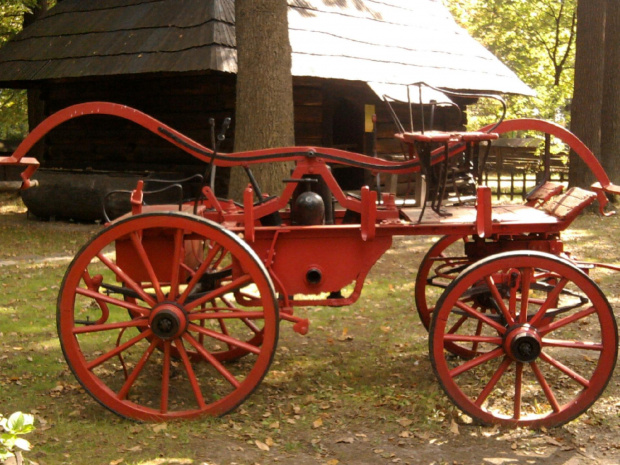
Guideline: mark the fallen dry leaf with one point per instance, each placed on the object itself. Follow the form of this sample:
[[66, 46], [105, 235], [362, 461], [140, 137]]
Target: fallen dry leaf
[[317, 423], [454, 427], [159, 427], [261, 445], [552, 441]]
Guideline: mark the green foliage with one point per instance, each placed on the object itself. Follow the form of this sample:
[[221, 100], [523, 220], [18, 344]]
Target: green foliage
[[11, 17], [13, 114], [11, 429], [534, 38], [13, 103]]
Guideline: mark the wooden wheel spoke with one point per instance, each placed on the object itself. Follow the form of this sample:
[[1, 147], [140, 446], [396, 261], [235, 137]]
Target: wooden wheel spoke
[[223, 327], [220, 291], [518, 386], [135, 323], [499, 299], [124, 277], [473, 363], [165, 379], [213, 361], [191, 375], [552, 297], [136, 240], [226, 315], [202, 269], [246, 316], [478, 339], [122, 394], [564, 369], [480, 316], [117, 350], [224, 338], [250, 324], [493, 381], [545, 387], [474, 345], [544, 330], [97, 296], [217, 261], [177, 259], [583, 345], [455, 327], [512, 301], [526, 276]]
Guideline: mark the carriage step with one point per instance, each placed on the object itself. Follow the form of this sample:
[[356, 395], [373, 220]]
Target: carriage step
[[570, 204], [544, 193]]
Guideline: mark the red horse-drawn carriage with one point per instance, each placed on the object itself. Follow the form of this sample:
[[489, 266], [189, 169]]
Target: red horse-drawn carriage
[[173, 311]]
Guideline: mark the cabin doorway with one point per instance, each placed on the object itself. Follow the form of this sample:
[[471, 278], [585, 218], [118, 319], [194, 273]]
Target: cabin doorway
[[348, 134]]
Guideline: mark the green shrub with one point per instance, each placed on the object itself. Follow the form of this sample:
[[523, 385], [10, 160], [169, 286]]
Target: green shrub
[[11, 444]]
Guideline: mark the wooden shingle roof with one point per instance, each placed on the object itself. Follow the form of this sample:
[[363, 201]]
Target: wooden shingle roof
[[381, 41]]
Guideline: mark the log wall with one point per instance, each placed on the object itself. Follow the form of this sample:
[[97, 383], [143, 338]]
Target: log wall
[[328, 113]]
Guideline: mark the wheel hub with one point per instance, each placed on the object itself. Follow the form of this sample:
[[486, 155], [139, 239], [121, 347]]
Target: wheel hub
[[168, 321], [523, 343]]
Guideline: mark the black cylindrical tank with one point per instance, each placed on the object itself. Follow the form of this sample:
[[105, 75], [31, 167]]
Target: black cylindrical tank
[[308, 209]]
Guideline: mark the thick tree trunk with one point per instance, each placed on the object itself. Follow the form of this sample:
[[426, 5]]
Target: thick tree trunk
[[36, 110], [264, 108], [610, 119], [588, 92]]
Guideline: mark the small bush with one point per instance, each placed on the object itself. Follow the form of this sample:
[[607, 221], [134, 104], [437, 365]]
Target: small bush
[[11, 428]]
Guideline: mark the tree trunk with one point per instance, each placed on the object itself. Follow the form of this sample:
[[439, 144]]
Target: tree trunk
[[610, 114], [588, 91], [36, 110], [40, 8], [264, 108]]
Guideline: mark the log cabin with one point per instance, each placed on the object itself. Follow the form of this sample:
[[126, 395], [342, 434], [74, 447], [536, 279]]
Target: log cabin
[[176, 60]]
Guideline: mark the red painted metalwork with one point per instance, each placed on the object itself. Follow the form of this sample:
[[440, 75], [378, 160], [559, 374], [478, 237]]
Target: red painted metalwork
[[31, 165], [200, 285]]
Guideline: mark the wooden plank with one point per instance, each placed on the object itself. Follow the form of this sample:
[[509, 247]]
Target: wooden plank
[[570, 203]]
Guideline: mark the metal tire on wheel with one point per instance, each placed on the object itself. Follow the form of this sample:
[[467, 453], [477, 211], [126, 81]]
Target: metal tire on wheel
[[544, 357], [149, 313]]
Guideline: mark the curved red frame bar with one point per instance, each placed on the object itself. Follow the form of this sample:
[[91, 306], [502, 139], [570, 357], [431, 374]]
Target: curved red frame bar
[[199, 151], [206, 155], [531, 124]]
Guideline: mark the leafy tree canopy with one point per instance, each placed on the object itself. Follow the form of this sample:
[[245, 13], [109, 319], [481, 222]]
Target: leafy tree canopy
[[534, 38], [13, 104]]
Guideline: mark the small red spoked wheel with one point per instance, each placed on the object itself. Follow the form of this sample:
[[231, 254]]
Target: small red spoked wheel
[[544, 357], [176, 278], [439, 267]]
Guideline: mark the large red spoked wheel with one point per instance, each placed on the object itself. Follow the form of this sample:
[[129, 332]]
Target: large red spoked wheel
[[544, 357], [149, 313], [440, 266]]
